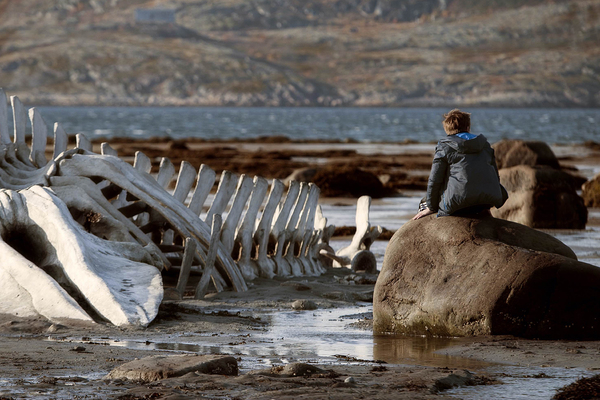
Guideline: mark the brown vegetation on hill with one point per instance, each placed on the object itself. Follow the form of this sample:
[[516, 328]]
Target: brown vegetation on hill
[[300, 53]]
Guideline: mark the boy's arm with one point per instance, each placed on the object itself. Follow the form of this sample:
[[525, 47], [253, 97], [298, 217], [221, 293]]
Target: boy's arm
[[439, 168]]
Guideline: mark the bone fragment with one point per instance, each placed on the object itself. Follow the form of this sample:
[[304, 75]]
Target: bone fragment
[[186, 266], [204, 183], [210, 258]]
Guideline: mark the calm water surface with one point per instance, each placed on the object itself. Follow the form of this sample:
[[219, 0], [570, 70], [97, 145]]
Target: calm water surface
[[361, 124]]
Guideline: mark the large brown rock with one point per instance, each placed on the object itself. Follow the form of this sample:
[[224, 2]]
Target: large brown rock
[[520, 152], [348, 181], [154, 368], [591, 192], [455, 276], [541, 197]]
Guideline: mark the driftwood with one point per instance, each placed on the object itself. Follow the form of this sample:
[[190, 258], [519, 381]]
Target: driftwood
[[250, 229]]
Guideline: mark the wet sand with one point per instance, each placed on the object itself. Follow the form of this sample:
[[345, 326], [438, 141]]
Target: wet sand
[[260, 327]]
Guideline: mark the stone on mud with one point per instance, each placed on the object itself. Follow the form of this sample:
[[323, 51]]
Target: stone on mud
[[541, 197], [154, 368], [348, 181], [455, 276]]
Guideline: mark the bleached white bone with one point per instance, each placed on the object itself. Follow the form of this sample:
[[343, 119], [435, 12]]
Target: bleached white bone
[[185, 180], [204, 184], [361, 241], [265, 265], [304, 228], [142, 162], [82, 142], [282, 214], [291, 232], [210, 259], [186, 266], [166, 172], [109, 277], [22, 152], [246, 229], [61, 140], [243, 190], [107, 150], [225, 190], [4, 133], [145, 188], [39, 137]]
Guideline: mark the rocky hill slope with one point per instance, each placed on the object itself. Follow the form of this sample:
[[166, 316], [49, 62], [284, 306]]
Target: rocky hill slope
[[303, 52]]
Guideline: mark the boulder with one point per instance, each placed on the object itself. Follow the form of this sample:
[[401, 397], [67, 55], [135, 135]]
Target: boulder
[[348, 181], [521, 152], [591, 192], [455, 276], [154, 368], [301, 175], [541, 197]]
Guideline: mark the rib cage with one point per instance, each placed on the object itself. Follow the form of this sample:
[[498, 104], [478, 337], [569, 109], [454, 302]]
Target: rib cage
[[283, 239]]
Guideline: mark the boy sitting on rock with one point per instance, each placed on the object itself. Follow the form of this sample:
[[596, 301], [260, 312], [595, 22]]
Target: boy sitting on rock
[[464, 176]]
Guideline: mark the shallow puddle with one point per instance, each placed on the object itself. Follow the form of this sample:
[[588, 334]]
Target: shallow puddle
[[522, 383]]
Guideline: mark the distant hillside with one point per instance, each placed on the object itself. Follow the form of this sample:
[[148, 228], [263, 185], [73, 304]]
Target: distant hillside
[[303, 52]]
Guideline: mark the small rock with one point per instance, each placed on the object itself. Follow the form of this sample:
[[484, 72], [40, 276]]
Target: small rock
[[78, 349], [296, 285], [54, 328], [155, 368], [304, 305], [349, 380]]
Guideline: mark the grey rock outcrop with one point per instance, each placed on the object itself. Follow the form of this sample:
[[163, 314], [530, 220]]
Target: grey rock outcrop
[[454, 276]]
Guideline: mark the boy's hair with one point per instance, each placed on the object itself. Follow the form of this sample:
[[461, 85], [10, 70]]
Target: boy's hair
[[457, 121]]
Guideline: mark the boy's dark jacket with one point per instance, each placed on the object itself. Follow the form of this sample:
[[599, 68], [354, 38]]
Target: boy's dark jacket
[[464, 174]]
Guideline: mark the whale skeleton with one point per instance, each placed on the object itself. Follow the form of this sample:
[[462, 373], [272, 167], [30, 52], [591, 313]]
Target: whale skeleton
[[95, 231]]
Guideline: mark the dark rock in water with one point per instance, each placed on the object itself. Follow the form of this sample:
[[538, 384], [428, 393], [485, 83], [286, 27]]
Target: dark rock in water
[[304, 305], [348, 181], [155, 368], [582, 389], [455, 276], [591, 192], [520, 152], [295, 369], [301, 175], [541, 197]]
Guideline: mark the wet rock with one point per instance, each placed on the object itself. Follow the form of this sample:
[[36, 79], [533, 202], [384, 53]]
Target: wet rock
[[171, 294], [349, 380], [155, 368], [591, 192], [541, 197], [455, 276], [295, 369], [304, 305], [348, 181], [454, 380], [510, 153], [583, 389]]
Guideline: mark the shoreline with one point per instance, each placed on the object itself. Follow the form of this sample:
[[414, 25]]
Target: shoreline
[[44, 359]]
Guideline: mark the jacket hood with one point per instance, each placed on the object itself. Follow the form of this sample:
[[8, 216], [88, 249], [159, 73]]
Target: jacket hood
[[474, 145]]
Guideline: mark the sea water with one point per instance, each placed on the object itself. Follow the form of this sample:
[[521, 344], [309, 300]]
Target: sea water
[[359, 124]]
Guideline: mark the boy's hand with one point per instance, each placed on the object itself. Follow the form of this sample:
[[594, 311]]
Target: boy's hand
[[423, 213]]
